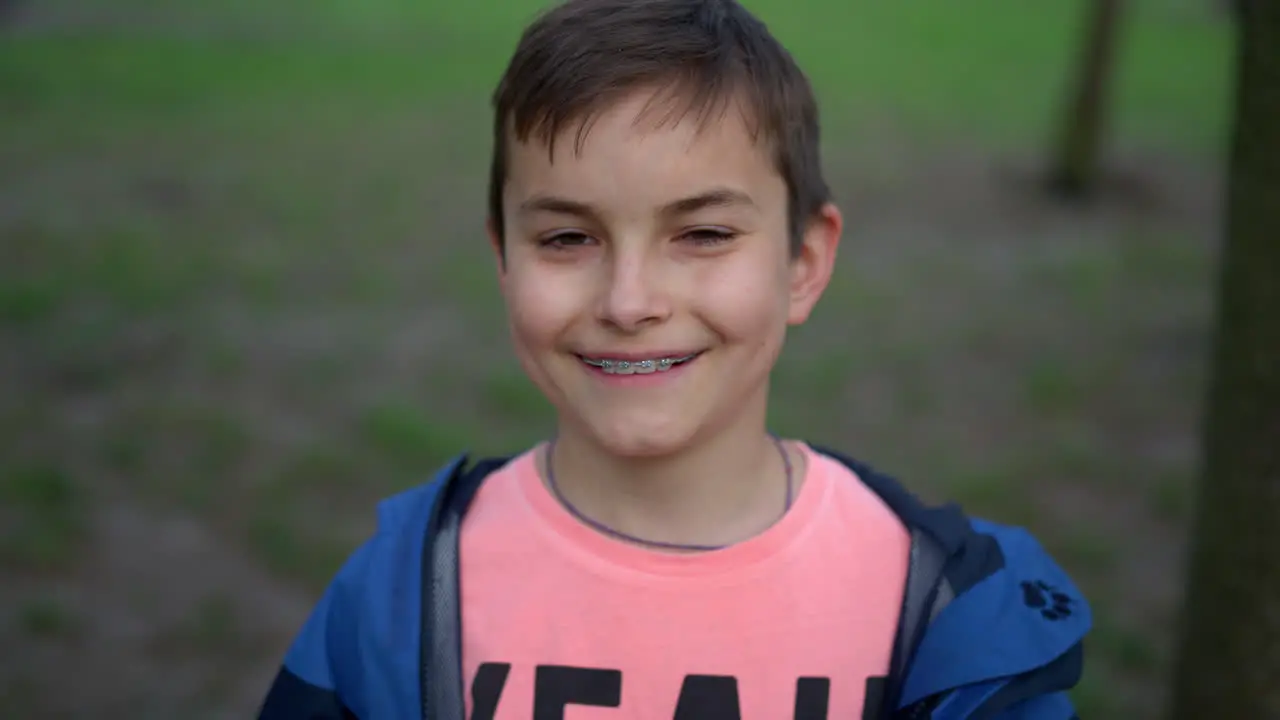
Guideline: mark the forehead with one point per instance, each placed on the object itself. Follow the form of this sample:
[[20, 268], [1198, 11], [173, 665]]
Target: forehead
[[646, 147]]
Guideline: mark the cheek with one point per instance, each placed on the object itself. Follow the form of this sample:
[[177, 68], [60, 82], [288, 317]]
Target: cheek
[[747, 301], [538, 309]]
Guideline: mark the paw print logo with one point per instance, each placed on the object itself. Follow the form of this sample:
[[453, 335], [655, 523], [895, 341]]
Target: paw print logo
[[1052, 603]]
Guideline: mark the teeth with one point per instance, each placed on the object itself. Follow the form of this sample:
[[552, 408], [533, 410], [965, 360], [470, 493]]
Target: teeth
[[637, 367]]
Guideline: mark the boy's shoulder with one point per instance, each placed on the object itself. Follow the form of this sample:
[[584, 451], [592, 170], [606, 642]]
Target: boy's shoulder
[[984, 602], [358, 647]]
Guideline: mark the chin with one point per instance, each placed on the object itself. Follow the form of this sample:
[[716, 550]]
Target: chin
[[633, 440]]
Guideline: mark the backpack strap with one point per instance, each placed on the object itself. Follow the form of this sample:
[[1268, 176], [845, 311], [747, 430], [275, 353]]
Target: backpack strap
[[926, 593], [937, 538], [440, 646]]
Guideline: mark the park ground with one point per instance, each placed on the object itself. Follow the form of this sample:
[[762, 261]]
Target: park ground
[[244, 293]]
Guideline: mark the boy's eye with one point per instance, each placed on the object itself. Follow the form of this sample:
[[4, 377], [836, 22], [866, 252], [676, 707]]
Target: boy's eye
[[699, 236], [708, 236], [565, 240]]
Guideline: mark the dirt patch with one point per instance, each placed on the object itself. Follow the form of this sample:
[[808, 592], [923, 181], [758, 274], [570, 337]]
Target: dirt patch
[[161, 619]]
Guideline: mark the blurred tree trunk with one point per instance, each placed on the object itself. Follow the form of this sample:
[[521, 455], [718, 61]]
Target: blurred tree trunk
[[1079, 145], [1229, 655]]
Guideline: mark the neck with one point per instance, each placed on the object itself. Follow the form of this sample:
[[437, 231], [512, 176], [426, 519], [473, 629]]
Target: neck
[[722, 490]]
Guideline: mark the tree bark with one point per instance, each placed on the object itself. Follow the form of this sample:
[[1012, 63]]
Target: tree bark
[[1076, 159], [1228, 662]]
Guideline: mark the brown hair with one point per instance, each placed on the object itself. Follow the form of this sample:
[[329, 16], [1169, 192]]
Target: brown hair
[[583, 55]]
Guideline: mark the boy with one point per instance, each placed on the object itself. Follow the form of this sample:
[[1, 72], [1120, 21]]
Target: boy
[[659, 217]]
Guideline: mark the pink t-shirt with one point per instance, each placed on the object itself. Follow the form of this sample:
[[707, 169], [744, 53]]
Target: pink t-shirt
[[560, 621]]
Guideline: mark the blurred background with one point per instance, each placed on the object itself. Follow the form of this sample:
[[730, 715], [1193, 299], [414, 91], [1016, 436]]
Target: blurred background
[[245, 292]]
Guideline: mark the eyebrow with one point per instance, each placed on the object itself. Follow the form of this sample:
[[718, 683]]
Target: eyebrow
[[715, 197]]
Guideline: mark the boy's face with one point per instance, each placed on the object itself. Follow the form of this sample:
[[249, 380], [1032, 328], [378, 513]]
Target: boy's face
[[647, 277]]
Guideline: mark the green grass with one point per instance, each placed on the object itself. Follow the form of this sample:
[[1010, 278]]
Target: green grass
[[243, 273], [45, 516], [512, 395], [1171, 496], [46, 618], [994, 66], [995, 492], [405, 434]]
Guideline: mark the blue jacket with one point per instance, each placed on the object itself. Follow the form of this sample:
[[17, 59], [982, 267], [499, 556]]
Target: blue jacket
[[990, 628]]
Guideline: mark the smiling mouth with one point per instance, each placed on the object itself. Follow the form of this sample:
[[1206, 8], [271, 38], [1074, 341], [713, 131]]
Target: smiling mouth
[[643, 366]]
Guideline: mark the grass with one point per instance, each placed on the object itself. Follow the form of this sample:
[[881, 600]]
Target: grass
[[46, 618], [243, 275], [933, 62], [47, 518]]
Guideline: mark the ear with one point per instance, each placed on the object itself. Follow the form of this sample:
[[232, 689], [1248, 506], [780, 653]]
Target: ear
[[495, 244], [812, 266]]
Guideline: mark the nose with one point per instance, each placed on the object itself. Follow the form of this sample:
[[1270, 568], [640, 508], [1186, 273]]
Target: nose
[[633, 296]]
